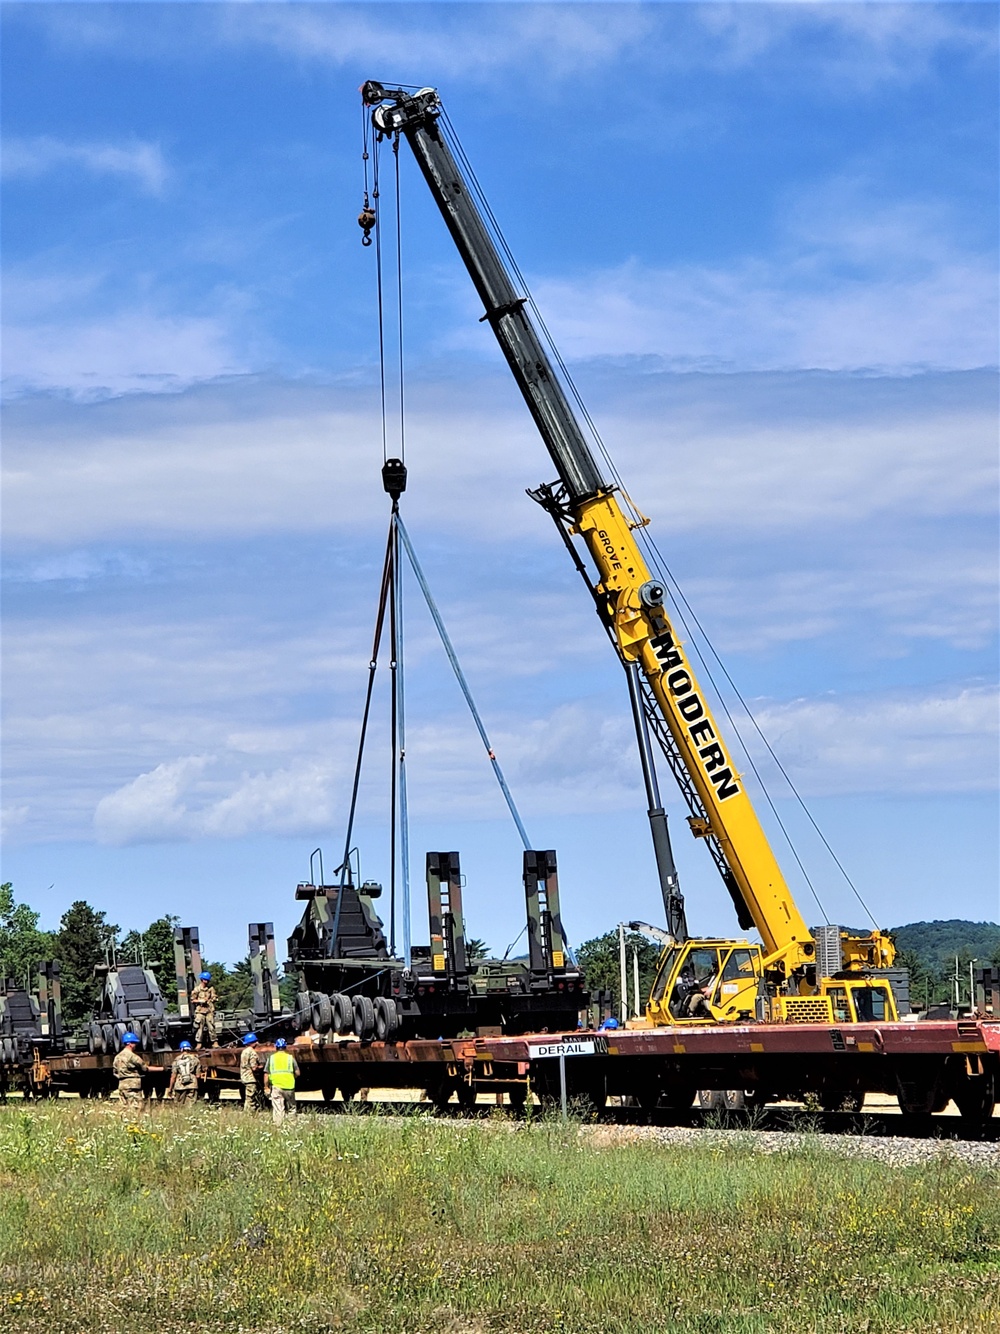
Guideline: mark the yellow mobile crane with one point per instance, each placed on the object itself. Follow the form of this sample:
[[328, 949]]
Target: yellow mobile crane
[[782, 979]]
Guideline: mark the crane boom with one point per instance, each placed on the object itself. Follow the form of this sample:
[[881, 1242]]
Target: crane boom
[[629, 600]]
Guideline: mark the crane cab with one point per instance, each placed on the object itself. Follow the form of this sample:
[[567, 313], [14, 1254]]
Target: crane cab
[[729, 975], [726, 972]]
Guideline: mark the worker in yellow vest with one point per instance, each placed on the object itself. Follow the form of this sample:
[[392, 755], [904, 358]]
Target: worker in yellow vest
[[280, 1074]]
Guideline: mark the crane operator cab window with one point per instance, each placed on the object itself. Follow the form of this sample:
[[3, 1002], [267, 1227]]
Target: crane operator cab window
[[698, 975], [870, 1004]]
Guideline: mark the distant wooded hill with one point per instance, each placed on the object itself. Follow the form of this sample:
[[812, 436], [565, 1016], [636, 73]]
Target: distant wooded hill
[[937, 943]]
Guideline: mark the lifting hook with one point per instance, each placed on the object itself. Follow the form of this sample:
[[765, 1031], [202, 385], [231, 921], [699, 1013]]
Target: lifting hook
[[366, 221]]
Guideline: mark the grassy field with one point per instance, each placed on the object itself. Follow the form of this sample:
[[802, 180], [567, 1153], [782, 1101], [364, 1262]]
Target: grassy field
[[197, 1220]]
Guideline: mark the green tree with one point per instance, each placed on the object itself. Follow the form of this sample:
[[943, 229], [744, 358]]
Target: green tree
[[22, 946], [927, 984], [233, 986], [599, 959], [476, 949], [81, 943]]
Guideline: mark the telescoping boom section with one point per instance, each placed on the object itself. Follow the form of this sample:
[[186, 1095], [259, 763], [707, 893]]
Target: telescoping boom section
[[629, 599]]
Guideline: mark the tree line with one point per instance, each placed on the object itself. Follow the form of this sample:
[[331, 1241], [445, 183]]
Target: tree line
[[85, 939]]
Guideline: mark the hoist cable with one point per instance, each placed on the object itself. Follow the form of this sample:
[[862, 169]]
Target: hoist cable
[[400, 711], [381, 311], [460, 677], [384, 591], [399, 303]]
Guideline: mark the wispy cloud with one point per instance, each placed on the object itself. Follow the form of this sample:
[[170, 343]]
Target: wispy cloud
[[850, 285], [141, 162], [913, 742], [752, 453], [118, 353]]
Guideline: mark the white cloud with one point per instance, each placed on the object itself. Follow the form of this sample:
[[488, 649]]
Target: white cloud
[[576, 759], [251, 457], [120, 352], [850, 285], [914, 742], [139, 161]]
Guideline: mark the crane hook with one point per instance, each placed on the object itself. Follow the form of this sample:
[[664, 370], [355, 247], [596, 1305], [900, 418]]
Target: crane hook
[[366, 221]]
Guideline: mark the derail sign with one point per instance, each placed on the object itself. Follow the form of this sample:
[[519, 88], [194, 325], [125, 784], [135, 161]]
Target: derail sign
[[569, 1047]]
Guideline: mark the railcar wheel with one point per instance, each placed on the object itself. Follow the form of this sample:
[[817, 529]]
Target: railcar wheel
[[711, 1100], [518, 1097]]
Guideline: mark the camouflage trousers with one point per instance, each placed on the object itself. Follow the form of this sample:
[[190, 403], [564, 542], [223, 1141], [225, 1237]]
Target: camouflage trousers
[[204, 1022], [282, 1103], [185, 1095], [251, 1098], [131, 1099]]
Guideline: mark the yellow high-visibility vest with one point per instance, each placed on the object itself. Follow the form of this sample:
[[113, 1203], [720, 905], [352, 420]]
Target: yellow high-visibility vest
[[281, 1069]]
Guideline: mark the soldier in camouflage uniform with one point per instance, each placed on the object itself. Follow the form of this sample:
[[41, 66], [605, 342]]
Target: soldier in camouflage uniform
[[203, 999], [251, 1063], [184, 1075], [129, 1069]]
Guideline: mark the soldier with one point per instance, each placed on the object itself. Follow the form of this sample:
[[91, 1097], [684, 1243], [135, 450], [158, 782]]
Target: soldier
[[129, 1069], [251, 1063], [203, 999], [280, 1073], [184, 1075]]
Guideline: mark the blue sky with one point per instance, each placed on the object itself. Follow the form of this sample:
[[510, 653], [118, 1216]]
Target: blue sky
[[765, 239]]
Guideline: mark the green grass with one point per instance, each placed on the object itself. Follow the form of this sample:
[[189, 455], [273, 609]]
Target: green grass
[[197, 1220]]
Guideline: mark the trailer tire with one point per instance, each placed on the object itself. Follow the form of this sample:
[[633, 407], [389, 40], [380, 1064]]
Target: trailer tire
[[120, 1031], [9, 1051], [364, 1018], [322, 1012], [386, 1019], [108, 1032], [343, 1013], [302, 1017], [145, 1035]]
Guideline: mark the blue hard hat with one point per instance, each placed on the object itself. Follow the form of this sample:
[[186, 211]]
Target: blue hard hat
[[250, 1037], [128, 1039], [610, 1023], [185, 1045], [204, 977], [279, 1044]]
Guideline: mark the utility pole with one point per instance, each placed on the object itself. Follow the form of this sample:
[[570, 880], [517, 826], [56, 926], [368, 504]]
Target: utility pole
[[636, 1011], [622, 975], [958, 999], [972, 986]]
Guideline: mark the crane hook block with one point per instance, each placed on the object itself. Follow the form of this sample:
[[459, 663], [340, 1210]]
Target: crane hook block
[[366, 221], [394, 477]]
